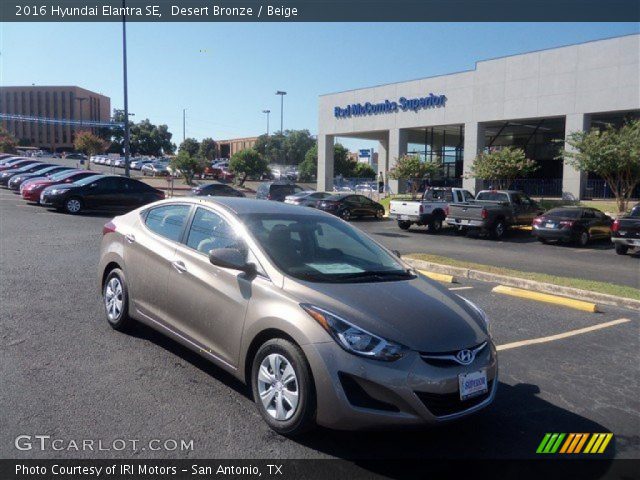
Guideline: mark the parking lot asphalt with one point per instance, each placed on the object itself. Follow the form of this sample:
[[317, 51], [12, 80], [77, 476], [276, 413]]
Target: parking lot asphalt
[[64, 372], [518, 250]]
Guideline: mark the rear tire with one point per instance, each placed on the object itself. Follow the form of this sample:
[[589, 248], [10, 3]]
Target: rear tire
[[435, 225], [379, 215], [498, 230], [404, 225], [543, 240], [286, 391], [345, 215], [583, 239], [621, 249], [115, 296]]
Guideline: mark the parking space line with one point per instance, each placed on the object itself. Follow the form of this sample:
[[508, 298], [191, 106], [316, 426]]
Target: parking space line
[[560, 336], [461, 288], [547, 298]]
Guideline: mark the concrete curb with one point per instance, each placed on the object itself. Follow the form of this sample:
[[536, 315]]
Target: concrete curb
[[589, 296]]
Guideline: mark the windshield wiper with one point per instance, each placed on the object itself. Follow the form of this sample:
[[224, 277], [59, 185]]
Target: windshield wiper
[[376, 274]]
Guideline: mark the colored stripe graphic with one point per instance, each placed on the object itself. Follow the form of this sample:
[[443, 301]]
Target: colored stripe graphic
[[573, 443]]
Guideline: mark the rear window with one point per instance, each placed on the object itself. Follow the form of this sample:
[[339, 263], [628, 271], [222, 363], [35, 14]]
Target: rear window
[[563, 213], [493, 196], [168, 220]]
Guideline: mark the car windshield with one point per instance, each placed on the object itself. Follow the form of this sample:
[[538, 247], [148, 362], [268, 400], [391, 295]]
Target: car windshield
[[322, 249], [63, 175], [88, 180], [564, 213]]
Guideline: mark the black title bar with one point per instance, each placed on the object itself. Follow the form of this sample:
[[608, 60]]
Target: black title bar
[[321, 11]]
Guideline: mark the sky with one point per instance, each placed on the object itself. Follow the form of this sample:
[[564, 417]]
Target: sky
[[226, 74]]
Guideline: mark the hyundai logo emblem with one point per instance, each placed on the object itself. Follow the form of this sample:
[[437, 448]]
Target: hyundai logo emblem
[[465, 357]]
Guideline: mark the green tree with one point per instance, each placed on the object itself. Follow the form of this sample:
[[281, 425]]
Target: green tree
[[342, 165], [7, 142], [89, 144], [145, 138], [289, 148], [613, 154], [208, 148], [410, 167], [363, 170], [248, 163], [502, 166], [188, 165], [191, 146]]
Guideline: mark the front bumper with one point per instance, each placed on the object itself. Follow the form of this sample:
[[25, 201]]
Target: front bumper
[[406, 392], [49, 200]]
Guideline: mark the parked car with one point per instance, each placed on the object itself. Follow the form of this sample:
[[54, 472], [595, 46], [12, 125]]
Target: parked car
[[6, 175], [277, 190], [493, 211], [325, 325], [155, 169], [45, 171], [348, 206], [138, 164], [430, 210], [100, 192], [626, 231], [75, 156], [306, 198], [17, 162], [31, 189], [216, 190], [571, 224]]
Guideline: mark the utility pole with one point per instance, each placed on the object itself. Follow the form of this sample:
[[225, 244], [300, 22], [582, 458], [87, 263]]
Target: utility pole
[[184, 124], [127, 159], [282, 94], [267, 112]]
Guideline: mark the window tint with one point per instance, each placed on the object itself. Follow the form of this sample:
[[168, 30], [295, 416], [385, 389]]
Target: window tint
[[168, 220], [209, 230], [493, 196], [563, 213], [588, 214]]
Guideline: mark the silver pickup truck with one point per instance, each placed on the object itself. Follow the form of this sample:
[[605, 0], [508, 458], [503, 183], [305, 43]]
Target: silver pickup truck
[[493, 211], [430, 210]]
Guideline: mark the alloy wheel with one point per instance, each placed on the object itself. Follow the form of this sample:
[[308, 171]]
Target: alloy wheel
[[278, 386], [73, 205], [584, 238], [346, 214], [113, 299]]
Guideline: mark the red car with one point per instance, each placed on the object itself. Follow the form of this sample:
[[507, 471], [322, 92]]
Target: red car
[[31, 189]]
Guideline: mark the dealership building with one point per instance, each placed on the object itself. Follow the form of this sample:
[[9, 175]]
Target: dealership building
[[532, 101]]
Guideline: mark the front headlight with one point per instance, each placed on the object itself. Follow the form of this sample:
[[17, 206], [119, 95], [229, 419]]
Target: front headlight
[[57, 191], [479, 311], [354, 339]]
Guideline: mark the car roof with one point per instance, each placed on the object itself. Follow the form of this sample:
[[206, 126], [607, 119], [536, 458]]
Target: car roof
[[242, 206]]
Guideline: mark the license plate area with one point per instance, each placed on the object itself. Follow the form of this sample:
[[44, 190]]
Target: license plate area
[[473, 384], [550, 225], [404, 217]]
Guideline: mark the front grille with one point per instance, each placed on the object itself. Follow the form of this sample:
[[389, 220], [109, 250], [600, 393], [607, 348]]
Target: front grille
[[450, 403]]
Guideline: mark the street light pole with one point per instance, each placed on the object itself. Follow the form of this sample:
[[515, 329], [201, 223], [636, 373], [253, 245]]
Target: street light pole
[[184, 124], [282, 94], [267, 112], [127, 159]]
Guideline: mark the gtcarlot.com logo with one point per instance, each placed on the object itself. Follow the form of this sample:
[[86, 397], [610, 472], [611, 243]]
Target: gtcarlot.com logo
[[572, 443], [48, 443]]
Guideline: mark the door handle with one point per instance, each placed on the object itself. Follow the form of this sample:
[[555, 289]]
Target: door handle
[[179, 266], [130, 238]]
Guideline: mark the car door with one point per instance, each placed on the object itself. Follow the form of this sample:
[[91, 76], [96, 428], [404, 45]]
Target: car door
[[149, 250], [368, 206], [206, 302], [96, 194], [604, 223]]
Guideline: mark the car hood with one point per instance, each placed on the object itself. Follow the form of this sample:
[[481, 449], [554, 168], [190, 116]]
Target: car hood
[[417, 313]]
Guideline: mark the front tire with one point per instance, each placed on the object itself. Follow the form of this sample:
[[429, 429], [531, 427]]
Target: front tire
[[283, 387], [379, 215], [345, 215], [583, 239], [115, 295], [73, 205], [621, 249]]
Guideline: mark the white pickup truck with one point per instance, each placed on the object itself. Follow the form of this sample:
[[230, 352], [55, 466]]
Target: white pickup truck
[[430, 210]]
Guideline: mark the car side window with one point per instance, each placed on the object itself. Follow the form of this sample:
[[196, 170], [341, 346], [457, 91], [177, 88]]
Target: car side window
[[209, 230], [168, 220]]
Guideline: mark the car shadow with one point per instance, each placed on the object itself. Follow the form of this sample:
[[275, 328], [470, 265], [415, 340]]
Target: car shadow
[[511, 428], [144, 332]]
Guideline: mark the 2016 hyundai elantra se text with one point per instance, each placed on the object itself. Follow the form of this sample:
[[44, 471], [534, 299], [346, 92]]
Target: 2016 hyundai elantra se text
[[325, 325]]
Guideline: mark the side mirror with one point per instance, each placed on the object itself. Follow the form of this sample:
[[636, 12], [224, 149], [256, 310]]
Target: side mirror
[[233, 258]]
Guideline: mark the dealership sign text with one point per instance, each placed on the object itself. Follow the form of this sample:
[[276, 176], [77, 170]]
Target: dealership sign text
[[403, 104]]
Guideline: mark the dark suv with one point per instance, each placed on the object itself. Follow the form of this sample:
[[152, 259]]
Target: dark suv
[[276, 190]]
